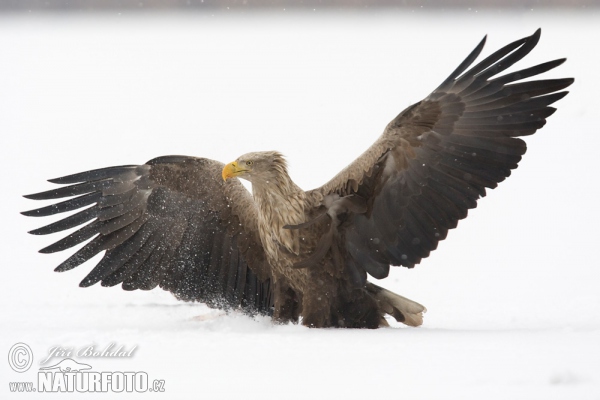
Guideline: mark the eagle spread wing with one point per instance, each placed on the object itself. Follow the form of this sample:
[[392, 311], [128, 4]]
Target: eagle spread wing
[[171, 222], [435, 159], [174, 223]]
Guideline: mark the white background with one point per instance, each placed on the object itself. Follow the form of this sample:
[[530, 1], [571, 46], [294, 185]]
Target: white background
[[512, 294]]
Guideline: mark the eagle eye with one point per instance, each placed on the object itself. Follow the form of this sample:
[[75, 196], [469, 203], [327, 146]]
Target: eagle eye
[[249, 163]]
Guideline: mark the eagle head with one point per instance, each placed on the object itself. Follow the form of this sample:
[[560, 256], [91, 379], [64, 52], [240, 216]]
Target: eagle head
[[262, 166]]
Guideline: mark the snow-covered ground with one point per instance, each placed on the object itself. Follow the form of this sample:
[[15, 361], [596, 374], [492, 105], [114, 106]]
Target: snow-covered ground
[[513, 293]]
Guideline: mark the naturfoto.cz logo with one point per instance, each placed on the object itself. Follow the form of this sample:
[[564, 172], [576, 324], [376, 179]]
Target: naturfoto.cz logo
[[70, 376], [20, 357]]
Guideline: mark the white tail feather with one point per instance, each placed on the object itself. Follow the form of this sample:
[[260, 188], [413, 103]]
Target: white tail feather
[[402, 309]]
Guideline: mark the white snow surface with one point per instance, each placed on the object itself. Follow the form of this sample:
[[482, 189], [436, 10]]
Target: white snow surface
[[512, 294]]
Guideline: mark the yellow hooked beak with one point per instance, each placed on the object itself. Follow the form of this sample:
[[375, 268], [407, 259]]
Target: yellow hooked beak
[[232, 170]]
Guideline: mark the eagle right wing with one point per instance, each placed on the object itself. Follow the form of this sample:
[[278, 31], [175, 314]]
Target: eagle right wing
[[171, 222], [436, 159]]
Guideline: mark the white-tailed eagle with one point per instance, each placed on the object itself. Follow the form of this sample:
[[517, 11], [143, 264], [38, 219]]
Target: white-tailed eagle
[[187, 225]]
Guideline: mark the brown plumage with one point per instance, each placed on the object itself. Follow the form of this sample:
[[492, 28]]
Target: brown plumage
[[187, 225]]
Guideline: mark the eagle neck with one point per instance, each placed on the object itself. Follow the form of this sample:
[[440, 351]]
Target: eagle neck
[[280, 202]]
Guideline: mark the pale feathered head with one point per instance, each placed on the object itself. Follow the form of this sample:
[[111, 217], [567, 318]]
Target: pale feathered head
[[257, 167]]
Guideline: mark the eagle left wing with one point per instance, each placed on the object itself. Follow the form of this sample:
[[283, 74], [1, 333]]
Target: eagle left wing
[[171, 222], [436, 158]]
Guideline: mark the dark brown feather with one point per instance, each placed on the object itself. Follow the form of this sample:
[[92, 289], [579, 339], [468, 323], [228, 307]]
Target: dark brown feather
[[437, 157], [171, 222]]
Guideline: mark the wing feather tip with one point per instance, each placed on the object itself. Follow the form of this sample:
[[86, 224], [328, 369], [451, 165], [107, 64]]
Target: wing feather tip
[[37, 196], [535, 38], [61, 268], [87, 282], [559, 61], [109, 283], [482, 42], [47, 250]]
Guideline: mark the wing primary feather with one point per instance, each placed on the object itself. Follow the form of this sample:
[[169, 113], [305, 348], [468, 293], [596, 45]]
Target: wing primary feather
[[512, 105], [93, 175], [73, 190], [524, 89], [528, 72], [74, 238], [82, 255], [463, 66], [493, 58], [115, 258], [65, 206], [68, 223], [135, 261], [528, 45], [505, 119], [476, 78]]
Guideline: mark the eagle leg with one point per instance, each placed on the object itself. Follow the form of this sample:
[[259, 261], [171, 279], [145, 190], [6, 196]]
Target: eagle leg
[[287, 304]]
